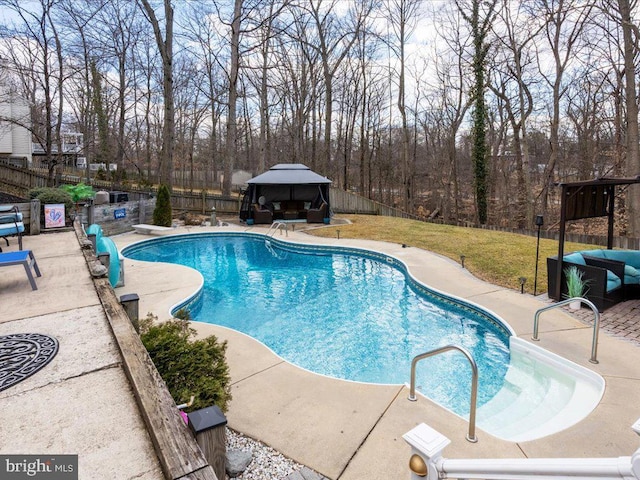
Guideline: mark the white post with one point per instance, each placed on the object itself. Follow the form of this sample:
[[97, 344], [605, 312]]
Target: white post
[[427, 445]]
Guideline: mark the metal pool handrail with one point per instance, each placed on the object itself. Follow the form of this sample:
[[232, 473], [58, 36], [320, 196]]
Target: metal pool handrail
[[273, 228], [471, 436], [596, 323]]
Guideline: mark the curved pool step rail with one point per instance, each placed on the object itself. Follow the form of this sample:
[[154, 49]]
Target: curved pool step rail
[[471, 436], [275, 226], [596, 322]]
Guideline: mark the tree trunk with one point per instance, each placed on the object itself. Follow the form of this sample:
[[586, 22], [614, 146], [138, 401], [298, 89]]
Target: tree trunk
[[633, 154], [232, 127], [165, 48]]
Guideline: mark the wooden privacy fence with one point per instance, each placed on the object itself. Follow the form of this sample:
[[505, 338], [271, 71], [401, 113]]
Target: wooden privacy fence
[[16, 179], [204, 203], [348, 202], [20, 180]]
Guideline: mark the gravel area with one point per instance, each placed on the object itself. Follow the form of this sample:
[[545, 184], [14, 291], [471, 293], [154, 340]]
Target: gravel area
[[267, 463]]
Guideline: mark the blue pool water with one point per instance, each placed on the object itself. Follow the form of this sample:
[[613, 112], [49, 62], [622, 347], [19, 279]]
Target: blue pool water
[[343, 313]]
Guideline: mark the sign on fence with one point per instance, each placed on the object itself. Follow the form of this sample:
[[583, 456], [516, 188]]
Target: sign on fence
[[54, 215], [119, 213]]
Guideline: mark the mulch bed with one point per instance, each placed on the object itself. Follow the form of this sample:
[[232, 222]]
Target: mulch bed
[[7, 198]]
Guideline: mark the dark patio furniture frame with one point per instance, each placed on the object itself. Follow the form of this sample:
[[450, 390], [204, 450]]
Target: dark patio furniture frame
[[595, 273]]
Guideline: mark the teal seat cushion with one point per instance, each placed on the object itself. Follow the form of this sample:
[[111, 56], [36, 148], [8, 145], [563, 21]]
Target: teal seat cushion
[[613, 281], [595, 253], [10, 217], [10, 229], [631, 275], [629, 257], [575, 257]]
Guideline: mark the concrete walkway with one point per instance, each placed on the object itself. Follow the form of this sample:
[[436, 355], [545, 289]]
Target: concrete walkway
[[349, 431], [81, 403]]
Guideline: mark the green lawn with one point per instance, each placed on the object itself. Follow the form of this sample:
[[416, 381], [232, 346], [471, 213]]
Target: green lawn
[[497, 257]]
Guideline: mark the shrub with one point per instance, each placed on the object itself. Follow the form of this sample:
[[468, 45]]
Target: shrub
[[162, 212], [48, 195], [188, 367]]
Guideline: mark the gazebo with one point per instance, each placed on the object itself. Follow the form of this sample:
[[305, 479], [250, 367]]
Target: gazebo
[[289, 192]]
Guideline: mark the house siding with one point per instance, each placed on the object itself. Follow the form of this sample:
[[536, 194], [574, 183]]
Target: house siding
[[15, 139]]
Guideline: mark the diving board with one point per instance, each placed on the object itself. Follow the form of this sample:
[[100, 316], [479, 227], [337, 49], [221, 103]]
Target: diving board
[[147, 229]]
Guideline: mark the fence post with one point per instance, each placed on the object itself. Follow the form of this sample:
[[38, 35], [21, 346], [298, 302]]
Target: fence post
[[426, 447], [34, 217], [92, 239], [142, 214], [90, 211], [130, 302], [104, 258], [208, 425]]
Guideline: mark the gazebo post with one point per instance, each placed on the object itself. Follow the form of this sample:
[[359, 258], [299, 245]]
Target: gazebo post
[[563, 219], [612, 197]]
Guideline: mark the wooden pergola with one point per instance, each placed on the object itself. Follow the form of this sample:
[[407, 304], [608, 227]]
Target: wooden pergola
[[587, 199]]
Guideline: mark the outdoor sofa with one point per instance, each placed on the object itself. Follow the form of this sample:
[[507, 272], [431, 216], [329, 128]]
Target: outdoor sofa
[[612, 275], [290, 210]]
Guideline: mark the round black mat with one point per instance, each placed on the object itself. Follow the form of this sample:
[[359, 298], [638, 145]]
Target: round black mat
[[22, 355]]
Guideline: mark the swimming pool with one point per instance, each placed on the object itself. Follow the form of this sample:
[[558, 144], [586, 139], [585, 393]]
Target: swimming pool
[[345, 313]]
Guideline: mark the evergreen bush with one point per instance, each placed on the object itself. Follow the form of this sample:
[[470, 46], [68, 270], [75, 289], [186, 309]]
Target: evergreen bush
[[162, 212], [188, 367], [49, 195]]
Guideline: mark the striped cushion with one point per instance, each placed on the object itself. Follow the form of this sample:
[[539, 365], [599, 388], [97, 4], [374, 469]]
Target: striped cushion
[[10, 229], [10, 217]]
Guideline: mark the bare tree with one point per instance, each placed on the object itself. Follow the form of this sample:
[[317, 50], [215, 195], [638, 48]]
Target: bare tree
[[446, 109], [403, 16], [211, 43], [232, 127], [631, 38], [300, 88], [165, 48], [335, 37], [565, 20], [586, 109], [512, 81]]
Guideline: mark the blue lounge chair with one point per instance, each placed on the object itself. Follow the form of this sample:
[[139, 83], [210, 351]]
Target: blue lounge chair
[[11, 224], [25, 258]]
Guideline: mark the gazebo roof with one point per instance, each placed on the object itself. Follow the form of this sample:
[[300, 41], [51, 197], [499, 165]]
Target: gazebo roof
[[289, 174], [587, 199]]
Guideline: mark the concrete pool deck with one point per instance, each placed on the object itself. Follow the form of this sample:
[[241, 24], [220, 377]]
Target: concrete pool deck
[[347, 430], [81, 403]]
